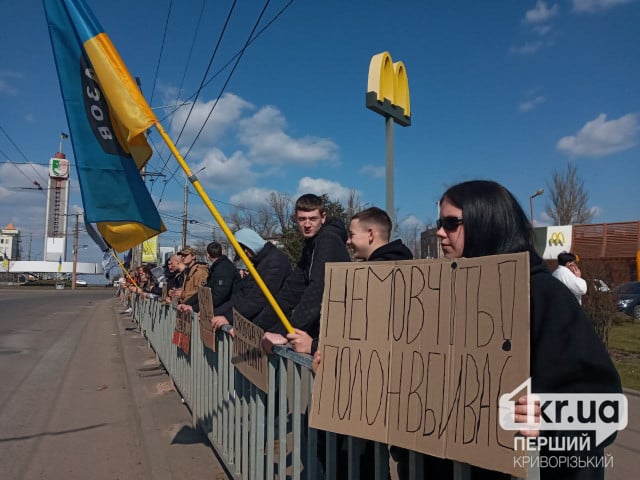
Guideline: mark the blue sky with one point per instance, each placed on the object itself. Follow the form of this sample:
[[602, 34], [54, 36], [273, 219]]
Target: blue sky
[[509, 91]]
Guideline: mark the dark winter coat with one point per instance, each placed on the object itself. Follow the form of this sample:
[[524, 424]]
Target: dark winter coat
[[301, 297], [274, 268], [395, 250], [222, 277]]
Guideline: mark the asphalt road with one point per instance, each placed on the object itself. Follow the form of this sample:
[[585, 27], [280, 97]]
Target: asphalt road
[[82, 396]]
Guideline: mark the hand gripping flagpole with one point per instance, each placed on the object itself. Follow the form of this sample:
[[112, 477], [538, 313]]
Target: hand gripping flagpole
[[205, 198]]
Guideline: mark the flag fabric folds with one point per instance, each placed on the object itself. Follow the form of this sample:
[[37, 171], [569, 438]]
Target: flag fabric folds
[[108, 118]]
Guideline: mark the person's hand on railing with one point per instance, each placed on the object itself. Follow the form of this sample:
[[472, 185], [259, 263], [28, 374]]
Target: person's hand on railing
[[269, 340], [185, 308], [523, 415], [300, 341], [219, 321], [317, 359]]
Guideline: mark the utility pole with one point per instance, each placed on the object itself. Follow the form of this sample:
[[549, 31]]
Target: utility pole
[[184, 215], [29, 257], [75, 251]]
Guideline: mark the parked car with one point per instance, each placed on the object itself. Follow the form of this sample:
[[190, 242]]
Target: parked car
[[600, 285], [629, 298]]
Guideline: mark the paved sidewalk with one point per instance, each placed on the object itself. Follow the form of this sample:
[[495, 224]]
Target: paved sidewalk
[[175, 449], [626, 449]]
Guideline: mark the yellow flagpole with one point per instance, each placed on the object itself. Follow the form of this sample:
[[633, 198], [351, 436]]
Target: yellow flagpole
[[124, 269], [205, 198]]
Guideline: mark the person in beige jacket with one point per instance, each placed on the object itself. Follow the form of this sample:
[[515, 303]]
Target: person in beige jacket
[[195, 273]]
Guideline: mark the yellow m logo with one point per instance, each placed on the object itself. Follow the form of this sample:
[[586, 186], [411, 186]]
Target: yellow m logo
[[388, 89], [557, 238]]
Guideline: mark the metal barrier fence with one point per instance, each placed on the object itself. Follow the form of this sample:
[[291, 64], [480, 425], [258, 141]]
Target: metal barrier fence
[[260, 436]]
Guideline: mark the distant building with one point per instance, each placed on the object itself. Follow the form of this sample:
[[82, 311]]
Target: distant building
[[429, 244], [10, 242]]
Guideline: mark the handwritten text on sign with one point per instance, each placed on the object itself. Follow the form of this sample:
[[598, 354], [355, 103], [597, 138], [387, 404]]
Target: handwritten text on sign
[[205, 305], [417, 353], [182, 331], [248, 357]]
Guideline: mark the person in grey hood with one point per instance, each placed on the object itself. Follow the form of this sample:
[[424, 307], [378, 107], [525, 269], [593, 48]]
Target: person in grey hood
[[273, 267], [301, 296]]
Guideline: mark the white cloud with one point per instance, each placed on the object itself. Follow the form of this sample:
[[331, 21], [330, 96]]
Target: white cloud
[[531, 103], [252, 197], [411, 223], [526, 49], [600, 137], [8, 80], [263, 134], [16, 189], [227, 113], [221, 171], [320, 186], [540, 13], [374, 171], [593, 6], [541, 30]]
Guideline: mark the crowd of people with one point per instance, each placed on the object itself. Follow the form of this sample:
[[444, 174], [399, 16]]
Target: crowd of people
[[477, 218]]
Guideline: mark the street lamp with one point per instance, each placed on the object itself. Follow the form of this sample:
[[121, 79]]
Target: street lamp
[[539, 192]]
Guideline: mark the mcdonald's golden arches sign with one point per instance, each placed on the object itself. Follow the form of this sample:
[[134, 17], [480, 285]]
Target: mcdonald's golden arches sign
[[388, 89]]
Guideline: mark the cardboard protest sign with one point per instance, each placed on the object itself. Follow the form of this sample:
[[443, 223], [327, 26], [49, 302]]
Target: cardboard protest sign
[[205, 303], [417, 353], [248, 356], [182, 331]]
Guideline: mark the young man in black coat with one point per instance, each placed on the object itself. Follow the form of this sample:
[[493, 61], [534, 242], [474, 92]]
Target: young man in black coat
[[222, 277], [301, 297], [273, 267]]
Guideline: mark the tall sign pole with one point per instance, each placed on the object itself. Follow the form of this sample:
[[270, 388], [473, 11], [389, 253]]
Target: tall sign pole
[[388, 95]]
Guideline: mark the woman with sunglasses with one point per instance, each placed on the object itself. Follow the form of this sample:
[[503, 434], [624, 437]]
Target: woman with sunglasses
[[479, 218]]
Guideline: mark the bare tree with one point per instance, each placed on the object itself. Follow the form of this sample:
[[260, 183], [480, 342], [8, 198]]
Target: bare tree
[[236, 220], [282, 207], [265, 223], [569, 198], [354, 205]]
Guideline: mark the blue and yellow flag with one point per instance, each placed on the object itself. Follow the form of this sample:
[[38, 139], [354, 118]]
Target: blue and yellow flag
[[60, 264], [108, 118]]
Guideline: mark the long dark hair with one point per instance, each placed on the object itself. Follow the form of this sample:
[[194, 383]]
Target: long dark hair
[[494, 222]]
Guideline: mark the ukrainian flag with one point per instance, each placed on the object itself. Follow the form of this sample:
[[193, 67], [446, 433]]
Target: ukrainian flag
[[108, 118]]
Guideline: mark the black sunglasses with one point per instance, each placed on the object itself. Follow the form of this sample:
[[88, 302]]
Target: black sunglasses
[[449, 224]]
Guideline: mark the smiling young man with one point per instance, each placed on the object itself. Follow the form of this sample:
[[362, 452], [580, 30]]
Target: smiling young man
[[301, 296], [369, 233]]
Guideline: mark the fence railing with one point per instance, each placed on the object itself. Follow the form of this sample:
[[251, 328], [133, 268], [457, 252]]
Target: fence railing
[[258, 435]]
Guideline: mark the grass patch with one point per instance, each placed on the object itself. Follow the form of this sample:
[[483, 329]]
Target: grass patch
[[624, 346]]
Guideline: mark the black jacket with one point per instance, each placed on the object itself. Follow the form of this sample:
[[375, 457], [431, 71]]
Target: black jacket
[[274, 267], [395, 250], [221, 278], [301, 297]]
